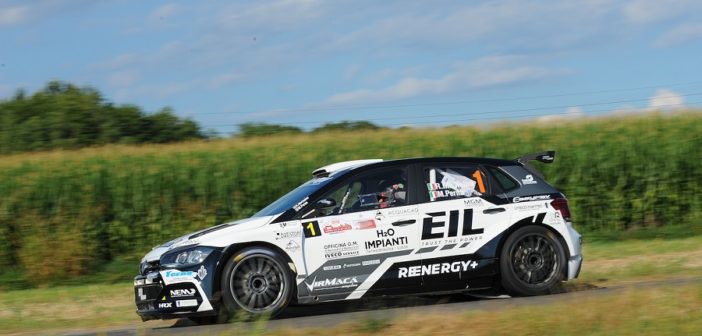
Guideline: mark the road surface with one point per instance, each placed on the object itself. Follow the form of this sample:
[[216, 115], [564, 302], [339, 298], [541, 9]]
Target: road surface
[[331, 314]]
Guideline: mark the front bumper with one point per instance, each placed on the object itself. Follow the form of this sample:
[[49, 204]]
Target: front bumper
[[171, 294]]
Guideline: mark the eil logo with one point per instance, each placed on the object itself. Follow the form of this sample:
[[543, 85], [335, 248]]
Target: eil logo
[[433, 227]]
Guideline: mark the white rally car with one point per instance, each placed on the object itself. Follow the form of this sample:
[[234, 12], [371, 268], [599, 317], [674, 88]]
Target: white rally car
[[368, 228]]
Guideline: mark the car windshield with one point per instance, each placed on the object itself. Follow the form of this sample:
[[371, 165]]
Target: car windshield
[[295, 196]]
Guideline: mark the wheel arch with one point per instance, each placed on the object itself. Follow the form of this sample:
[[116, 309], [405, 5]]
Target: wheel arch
[[527, 222], [231, 250]]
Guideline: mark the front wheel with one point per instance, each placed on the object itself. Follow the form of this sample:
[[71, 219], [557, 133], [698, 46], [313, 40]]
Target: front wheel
[[532, 262], [256, 281]]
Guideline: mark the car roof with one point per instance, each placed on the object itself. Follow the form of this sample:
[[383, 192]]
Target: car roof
[[346, 166]]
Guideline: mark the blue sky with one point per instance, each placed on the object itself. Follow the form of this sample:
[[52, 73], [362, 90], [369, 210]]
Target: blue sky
[[306, 62]]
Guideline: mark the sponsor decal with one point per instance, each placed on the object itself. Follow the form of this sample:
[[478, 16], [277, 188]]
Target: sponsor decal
[[474, 201], [335, 226], [186, 303], [140, 292], [530, 207], [297, 207], [330, 228], [434, 228], [287, 235], [531, 198], [365, 224], [386, 241], [341, 250], [165, 305], [202, 272], [435, 269], [292, 246], [186, 292], [370, 262], [529, 180], [402, 211], [179, 276], [340, 266], [333, 283]]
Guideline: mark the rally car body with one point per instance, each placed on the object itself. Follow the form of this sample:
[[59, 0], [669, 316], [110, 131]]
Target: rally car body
[[367, 228]]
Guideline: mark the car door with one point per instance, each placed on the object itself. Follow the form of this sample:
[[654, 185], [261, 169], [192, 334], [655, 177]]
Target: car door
[[360, 225], [458, 217]]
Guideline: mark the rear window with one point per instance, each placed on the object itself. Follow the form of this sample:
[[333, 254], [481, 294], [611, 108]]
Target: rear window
[[502, 179], [452, 182]]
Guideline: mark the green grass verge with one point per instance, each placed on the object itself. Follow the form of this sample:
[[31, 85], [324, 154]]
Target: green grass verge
[[656, 311]]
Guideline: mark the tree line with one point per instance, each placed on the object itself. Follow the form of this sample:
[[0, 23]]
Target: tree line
[[64, 116]]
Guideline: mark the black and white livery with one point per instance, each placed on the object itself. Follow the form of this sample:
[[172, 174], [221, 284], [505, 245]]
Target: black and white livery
[[371, 228]]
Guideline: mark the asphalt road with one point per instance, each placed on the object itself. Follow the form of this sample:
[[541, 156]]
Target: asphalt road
[[331, 314]]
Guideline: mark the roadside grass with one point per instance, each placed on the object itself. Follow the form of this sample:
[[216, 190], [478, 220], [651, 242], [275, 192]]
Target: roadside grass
[[87, 306], [656, 311]]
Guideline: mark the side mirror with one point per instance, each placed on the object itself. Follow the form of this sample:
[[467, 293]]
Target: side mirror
[[325, 203]]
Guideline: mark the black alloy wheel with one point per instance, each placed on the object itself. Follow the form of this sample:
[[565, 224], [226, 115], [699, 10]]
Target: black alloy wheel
[[532, 261], [256, 281]]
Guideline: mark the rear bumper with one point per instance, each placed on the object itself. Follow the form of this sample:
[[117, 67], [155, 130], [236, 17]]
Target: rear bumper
[[574, 265]]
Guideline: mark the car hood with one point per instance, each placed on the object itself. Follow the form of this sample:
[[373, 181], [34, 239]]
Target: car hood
[[201, 237]]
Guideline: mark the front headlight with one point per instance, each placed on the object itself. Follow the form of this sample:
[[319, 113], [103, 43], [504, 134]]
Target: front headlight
[[185, 257]]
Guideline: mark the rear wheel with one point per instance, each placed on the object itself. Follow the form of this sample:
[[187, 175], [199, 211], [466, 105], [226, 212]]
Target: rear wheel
[[256, 281], [532, 262]]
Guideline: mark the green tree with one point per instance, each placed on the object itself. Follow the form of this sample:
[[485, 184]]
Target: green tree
[[62, 115], [261, 129], [347, 126]]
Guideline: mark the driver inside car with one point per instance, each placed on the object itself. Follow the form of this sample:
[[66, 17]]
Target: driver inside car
[[392, 192]]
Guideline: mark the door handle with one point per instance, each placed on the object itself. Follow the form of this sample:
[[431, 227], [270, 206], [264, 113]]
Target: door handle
[[493, 210], [403, 222]]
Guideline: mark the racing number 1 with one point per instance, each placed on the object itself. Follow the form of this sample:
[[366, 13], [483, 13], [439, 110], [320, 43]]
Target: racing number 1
[[311, 229], [479, 179]]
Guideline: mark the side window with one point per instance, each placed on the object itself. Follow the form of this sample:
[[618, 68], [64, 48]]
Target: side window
[[372, 190], [505, 182], [445, 183]]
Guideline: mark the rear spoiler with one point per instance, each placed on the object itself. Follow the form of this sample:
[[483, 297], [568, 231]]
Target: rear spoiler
[[544, 157]]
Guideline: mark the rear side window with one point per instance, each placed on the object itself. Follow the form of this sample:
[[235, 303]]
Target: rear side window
[[452, 182], [503, 180]]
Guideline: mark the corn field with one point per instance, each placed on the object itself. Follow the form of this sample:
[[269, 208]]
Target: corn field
[[63, 212]]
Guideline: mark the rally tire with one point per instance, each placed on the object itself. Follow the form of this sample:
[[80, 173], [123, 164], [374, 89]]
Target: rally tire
[[532, 262], [256, 281]]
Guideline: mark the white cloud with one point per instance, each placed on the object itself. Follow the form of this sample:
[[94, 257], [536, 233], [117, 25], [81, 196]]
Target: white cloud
[[221, 80], [10, 16], [123, 78], [680, 34], [573, 112], [17, 12], [165, 11], [665, 99], [157, 90], [662, 100], [484, 72], [5, 91], [651, 11]]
